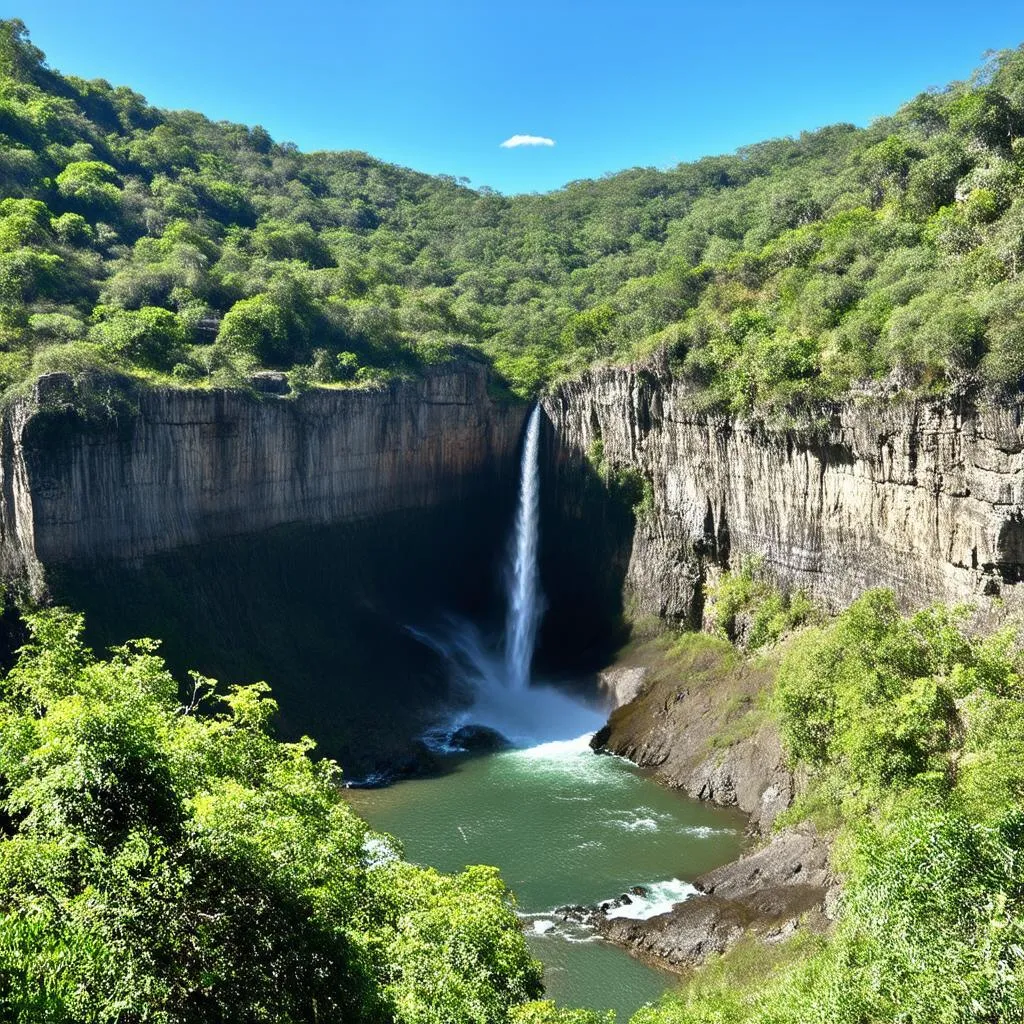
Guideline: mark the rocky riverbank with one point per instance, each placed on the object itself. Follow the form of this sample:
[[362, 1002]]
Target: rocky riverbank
[[696, 716], [769, 893]]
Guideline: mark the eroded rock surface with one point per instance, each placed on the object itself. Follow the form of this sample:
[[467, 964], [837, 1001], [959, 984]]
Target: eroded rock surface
[[698, 722], [785, 884], [925, 497]]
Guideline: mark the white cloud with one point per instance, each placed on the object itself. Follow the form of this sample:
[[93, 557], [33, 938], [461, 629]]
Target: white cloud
[[527, 140]]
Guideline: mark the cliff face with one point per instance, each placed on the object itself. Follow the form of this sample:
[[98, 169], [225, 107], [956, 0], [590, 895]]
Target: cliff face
[[293, 540], [922, 497], [187, 467]]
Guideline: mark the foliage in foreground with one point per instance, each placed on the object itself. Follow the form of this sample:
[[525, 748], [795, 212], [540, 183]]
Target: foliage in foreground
[[914, 732], [170, 862], [164, 863], [181, 249]]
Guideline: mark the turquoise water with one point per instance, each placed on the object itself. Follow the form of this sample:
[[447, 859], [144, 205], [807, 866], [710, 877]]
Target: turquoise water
[[564, 825]]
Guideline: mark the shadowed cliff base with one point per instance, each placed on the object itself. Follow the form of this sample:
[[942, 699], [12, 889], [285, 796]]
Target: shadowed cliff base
[[323, 614], [319, 613]]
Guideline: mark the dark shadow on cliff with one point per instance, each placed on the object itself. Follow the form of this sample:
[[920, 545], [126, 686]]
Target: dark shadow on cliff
[[322, 613], [587, 525], [319, 613]]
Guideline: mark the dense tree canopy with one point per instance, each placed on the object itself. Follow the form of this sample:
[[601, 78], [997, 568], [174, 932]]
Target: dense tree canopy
[[166, 862], [791, 269]]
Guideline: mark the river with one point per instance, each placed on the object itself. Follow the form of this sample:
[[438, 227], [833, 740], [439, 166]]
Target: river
[[565, 826]]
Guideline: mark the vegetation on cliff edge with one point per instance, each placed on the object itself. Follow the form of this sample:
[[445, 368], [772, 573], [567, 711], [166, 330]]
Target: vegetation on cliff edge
[[186, 250]]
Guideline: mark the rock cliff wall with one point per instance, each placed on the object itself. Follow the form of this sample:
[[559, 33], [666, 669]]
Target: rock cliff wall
[[183, 467], [924, 497], [259, 537]]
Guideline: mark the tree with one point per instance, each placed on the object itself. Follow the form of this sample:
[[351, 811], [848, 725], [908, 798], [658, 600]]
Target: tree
[[171, 861], [149, 337], [258, 327], [19, 58], [89, 186]]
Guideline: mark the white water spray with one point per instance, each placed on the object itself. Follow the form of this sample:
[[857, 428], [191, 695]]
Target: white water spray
[[499, 677], [523, 614]]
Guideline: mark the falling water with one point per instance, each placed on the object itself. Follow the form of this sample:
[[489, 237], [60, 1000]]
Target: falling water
[[497, 676], [524, 608]]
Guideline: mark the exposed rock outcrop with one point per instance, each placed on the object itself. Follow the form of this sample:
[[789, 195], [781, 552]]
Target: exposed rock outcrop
[[768, 893], [925, 497], [697, 721], [290, 539], [168, 468]]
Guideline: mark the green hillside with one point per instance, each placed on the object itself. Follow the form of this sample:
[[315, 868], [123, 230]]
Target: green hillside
[[176, 247]]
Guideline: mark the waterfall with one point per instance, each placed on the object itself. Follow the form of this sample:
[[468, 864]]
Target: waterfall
[[498, 676], [523, 613]]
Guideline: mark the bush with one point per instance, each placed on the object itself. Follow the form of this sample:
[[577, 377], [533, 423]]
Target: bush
[[72, 229], [170, 861], [769, 612], [547, 1013], [257, 327], [149, 337], [347, 365], [90, 186]]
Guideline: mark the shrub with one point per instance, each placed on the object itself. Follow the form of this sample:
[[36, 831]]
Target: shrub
[[169, 861], [149, 337]]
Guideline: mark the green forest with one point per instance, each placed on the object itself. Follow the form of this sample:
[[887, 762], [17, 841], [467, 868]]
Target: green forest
[[182, 250], [165, 859], [911, 732]]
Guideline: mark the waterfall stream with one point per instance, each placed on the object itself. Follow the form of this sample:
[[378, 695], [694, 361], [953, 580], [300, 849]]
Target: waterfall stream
[[496, 673], [524, 601]]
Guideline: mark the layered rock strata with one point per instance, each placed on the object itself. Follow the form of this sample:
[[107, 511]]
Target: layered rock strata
[[925, 497], [163, 469]]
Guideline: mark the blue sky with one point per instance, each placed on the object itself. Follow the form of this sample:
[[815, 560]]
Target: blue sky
[[439, 84]]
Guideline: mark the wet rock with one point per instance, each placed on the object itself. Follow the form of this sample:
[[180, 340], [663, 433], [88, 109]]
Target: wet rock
[[688, 934], [579, 914], [613, 904], [785, 884], [478, 739]]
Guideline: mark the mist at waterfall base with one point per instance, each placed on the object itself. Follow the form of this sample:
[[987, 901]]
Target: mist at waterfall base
[[495, 673]]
